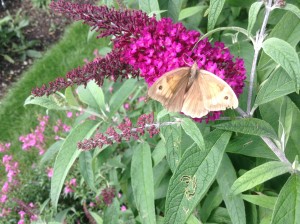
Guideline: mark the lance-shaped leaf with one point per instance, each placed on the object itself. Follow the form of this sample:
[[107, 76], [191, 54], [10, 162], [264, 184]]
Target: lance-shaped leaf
[[142, 183], [292, 8], [67, 155], [193, 177], [215, 9], [287, 207], [253, 11], [52, 102], [149, 6], [277, 85], [122, 94], [234, 204], [193, 131], [285, 55], [86, 169], [260, 200], [259, 175], [92, 95], [172, 137], [250, 126], [174, 7]]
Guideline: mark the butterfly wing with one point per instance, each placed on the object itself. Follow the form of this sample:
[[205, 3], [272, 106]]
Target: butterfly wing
[[193, 105], [217, 94], [170, 89]]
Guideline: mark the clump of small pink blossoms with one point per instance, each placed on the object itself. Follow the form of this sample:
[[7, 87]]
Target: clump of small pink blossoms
[[143, 46]]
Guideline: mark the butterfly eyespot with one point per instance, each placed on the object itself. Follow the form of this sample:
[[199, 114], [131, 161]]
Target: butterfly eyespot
[[226, 98], [160, 87]]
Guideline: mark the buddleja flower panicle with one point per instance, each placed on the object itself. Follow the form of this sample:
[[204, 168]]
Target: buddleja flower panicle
[[124, 131], [98, 70], [143, 46]]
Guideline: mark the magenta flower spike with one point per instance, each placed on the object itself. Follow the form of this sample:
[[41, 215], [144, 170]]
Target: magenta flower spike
[[145, 47]]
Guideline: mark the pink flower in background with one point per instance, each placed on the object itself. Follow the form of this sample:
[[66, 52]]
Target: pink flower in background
[[5, 188], [73, 182], [49, 172], [5, 212], [123, 208], [70, 186], [126, 106], [4, 147], [3, 198], [36, 139], [69, 114]]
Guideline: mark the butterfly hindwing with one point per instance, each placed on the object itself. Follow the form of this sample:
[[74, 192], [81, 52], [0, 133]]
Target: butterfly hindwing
[[193, 104], [218, 95]]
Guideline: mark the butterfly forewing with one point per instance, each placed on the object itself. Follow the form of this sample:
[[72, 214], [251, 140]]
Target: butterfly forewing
[[218, 95], [170, 89]]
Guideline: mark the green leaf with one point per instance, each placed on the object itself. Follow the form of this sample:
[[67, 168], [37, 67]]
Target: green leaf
[[159, 152], [270, 112], [51, 151], [250, 146], [33, 54], [211, 202], [92, 95], [285, 122], [285, 55], [291, 35], [277, 85], [292, 8], [67, 155], [190, 11], [96, 217], [142, 183], [149, 6], [194, 175], [70, 98], [287, 207], [111, 213], [118, 98], [258, 175], [234, 204], [220, 215], [52, 102], [215, 9], [249, 126], [193, 131], [253, 12], [86, 169], [174, 7], [260, 200], [8, 58], [171, 135]]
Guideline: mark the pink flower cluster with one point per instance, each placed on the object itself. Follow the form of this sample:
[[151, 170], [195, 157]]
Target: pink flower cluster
[[26, 209], [12, 170], [61, 127], [36, 138], [143, 44], [4, 147], [70, 186], [126, 132]]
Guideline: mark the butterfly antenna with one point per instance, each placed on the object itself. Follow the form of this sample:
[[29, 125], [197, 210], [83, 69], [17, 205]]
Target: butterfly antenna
[[185, 60]]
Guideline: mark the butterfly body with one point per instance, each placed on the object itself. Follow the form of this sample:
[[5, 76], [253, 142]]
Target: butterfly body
[[193, 91]]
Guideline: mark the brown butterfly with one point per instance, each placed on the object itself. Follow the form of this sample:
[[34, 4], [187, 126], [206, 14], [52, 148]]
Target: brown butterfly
[[193, 91]]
